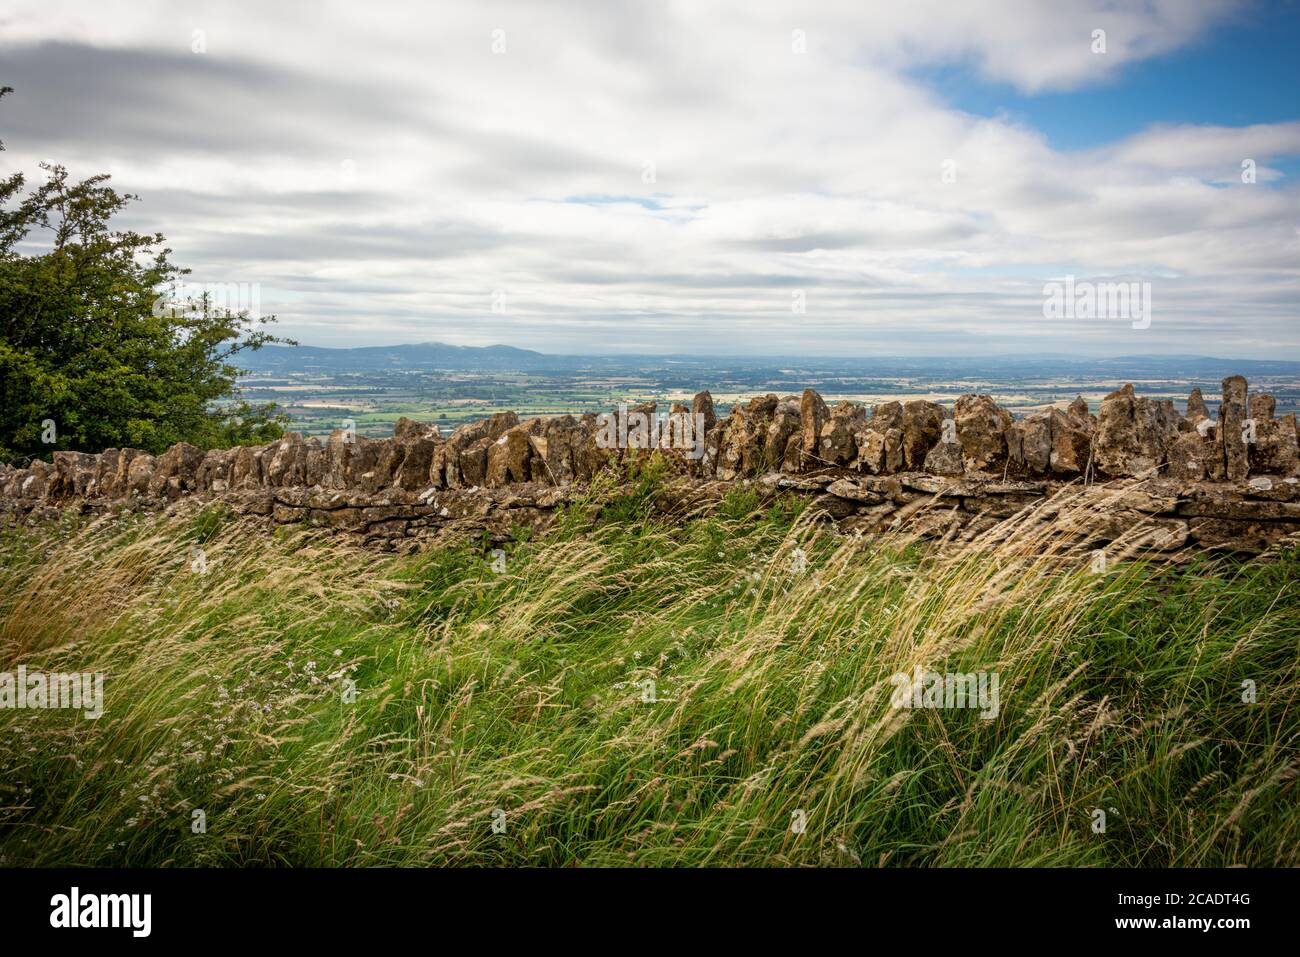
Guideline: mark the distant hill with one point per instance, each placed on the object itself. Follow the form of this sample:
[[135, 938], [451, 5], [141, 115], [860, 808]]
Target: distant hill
[[426, 356], [414, 356]]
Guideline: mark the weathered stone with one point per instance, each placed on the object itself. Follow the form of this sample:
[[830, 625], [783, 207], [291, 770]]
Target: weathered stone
[[731, 451], [762, 405], [409, 430], [1275, 450], [886, 416], [835, 507], [589, 459], [743, 446], [213, 473], [452, 458], [802, 483], [792, 460], [1167, 535], [413, 473], [1216, 464], [890, 486], [999, 507], [708, 465], [637, 430], [1236, 536], [939, 485], [1014, 487], [944, 459], [34, 481], [501, 422], [472, 463], [1050, 441], [1232, 429], [785, 423], [180, 462], [812, 416], [444, 472], [1148, 498], [703, 404], [1029, 444], [314, 466], [334, 459], [836, 444], [284, 467], [922, 426], [558, 449], [392, 454], [678, 439], [121, 481], [1261, 406], [1240, 508], [1072, 438], [508, 457], [74, 472], [880, 452], [246, 470], [360, 458], [1189, 455], [106, 473], [139, 473], [981, 431], [1134, 433], [845, 488]]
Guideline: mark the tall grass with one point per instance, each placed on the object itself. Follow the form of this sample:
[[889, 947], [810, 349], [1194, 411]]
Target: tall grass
[[711, 690]]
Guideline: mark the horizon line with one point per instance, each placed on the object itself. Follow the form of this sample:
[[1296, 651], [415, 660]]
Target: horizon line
[[1074, 357]]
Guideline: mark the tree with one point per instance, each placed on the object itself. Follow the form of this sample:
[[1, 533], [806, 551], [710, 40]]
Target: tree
[[92, 355]]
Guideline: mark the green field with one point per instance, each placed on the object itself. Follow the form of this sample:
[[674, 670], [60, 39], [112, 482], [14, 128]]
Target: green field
[[318, 402]]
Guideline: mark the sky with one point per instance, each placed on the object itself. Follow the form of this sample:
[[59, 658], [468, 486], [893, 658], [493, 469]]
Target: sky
[[901, 178]]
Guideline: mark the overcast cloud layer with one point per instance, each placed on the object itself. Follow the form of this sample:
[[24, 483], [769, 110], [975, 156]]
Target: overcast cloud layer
[[662, 176]]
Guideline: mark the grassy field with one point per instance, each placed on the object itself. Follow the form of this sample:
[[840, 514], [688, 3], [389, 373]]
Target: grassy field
[[632, 691]]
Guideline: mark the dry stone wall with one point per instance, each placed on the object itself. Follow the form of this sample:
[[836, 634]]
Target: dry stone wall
[[1144, 472]]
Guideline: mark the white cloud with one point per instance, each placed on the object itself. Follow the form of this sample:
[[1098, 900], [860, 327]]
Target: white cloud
[[389, 172]]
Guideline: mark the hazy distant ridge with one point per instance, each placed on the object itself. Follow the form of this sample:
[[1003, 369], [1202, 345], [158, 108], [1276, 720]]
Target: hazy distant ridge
[[424, 356], [416, 355]]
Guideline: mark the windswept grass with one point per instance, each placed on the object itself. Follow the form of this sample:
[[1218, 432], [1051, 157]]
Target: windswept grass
[[642, 692]]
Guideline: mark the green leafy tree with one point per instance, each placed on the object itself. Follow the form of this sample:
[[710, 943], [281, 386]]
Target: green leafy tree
[[91, 353]]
